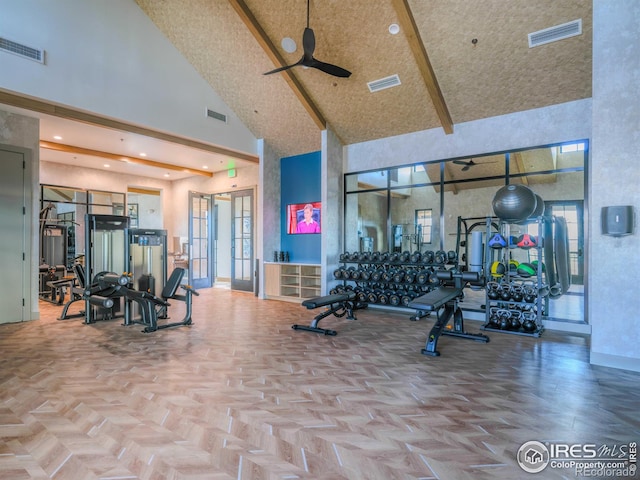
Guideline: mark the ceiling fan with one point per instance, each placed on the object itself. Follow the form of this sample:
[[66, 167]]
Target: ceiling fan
[[307, 60], [469, 164]]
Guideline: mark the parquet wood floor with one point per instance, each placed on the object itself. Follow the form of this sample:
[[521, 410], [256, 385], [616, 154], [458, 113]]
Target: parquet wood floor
[[240, 395]]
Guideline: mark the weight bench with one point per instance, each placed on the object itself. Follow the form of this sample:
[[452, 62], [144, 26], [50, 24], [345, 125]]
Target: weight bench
[[340, 304], [444, 301]]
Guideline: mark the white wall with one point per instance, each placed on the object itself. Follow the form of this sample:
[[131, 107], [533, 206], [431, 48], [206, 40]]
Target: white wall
[[107, 56], [52, 173], [614, 263], [542, 126]]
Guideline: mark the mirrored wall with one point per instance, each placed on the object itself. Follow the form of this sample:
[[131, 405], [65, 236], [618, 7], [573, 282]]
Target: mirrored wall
[[420, 206]]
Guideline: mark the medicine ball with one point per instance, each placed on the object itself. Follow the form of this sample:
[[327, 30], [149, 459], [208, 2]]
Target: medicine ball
[[526, 241], [526, 270], [513, 203], [497, 241], [513, 266], [498, 269]]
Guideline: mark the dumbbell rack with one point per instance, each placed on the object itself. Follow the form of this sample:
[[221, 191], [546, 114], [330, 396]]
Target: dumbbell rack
[[523, 299], [391, 279]]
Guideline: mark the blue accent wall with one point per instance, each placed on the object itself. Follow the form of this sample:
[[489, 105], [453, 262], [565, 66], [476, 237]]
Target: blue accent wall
[[300, 183]]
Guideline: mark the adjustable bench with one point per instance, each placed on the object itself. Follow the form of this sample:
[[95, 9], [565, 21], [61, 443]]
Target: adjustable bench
[[446, 299], [340, 304]]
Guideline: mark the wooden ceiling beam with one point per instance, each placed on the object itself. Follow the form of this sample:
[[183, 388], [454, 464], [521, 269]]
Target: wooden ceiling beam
[[60, 147], [260, 35], [521, 168], [410, 29], [449, 176]]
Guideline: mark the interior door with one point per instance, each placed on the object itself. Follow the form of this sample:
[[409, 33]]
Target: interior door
[[12, 240], [573, 213], [242, 271], [200, 236]]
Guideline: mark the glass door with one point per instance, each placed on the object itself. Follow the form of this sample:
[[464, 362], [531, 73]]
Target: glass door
[[200, 264], [242, 240], [573, 213]]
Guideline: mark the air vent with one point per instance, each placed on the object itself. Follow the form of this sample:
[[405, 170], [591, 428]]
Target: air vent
[[218, 116], [24, 51], [553, 34], [381, 84]]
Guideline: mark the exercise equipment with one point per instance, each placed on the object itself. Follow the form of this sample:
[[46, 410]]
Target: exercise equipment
[[513, 203], [526, 241], [561, 251], [498, 269], [497, 241], [444, 301], [153, 308], [148, 259], [338, 305], [106, 250], [77, 289]]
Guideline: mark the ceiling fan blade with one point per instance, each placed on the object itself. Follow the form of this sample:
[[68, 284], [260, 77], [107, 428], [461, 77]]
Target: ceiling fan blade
[[308, 43], [286, 67], [460, 162], [466, 167], [330, 69]]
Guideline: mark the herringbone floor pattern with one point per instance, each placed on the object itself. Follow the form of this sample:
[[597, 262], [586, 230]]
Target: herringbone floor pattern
[[240, 395]]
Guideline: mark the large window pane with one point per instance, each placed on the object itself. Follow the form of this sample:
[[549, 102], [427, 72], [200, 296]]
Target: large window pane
[[406, 231], [367, 217]]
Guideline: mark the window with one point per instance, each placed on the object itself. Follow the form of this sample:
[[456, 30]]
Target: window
[[423, 223]]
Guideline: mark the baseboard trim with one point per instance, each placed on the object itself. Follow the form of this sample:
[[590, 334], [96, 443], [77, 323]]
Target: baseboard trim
[[615, 361]]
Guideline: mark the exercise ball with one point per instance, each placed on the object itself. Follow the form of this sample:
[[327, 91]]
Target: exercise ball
[[538, 212], [514, 203]]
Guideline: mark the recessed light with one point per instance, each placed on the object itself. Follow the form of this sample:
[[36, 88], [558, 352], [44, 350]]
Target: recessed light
[[288, 45], [142, 154], [57, 137], [206, 167], [166, 174], [106, 165], [394, 28]]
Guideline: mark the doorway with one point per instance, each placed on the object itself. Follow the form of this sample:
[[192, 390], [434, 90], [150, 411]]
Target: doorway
[[200, 234], [242, 272], [573, 212], [14, 192]]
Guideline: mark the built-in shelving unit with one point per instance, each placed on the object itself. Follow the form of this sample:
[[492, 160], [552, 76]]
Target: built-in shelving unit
[[292, 281]]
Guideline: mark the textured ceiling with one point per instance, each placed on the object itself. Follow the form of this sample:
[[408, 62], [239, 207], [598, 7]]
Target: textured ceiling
[[496, 75]]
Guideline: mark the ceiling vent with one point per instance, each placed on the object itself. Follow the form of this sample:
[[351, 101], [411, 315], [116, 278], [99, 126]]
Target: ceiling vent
[[381, 84], [553, 34], [23, 51], [216, 115]]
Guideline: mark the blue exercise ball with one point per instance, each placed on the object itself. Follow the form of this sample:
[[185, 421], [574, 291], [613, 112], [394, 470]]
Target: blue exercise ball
[[514, 203]]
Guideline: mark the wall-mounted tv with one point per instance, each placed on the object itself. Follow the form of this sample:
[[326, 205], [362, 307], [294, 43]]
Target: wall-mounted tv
[[303, 218]]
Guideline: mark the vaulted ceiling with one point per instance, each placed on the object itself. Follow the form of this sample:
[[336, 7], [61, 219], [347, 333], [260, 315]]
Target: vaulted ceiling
[[457, 61]]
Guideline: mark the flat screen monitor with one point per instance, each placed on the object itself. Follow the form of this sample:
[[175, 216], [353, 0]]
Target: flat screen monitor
[[304, 218]]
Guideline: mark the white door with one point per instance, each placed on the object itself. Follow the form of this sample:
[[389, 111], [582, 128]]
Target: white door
[[12, 237]]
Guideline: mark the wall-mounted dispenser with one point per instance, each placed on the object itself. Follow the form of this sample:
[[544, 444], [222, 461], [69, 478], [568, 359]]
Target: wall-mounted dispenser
[[617, 221]]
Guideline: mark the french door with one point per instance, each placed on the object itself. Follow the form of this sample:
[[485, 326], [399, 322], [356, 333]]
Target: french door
[[573, 213], [242, 270], [200, 240]]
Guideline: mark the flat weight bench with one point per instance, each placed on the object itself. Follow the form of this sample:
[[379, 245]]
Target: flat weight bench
[[340, 304], [444, 301]]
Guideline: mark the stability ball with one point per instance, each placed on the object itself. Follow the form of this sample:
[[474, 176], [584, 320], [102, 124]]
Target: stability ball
[[514, 203]]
